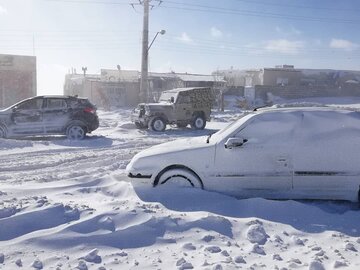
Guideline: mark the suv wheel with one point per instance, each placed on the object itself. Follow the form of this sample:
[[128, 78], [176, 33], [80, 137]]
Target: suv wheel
[[75, 132], [198, 122], [157, 124]]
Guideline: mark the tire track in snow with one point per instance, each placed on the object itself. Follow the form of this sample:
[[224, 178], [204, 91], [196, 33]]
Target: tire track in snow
[[53, 165]]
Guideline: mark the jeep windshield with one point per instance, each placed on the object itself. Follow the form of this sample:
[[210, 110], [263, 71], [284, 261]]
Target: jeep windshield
[[168, 97]]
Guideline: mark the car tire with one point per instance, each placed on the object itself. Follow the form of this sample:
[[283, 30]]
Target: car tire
[[178, 177], [157, 124], [3, 133], [75, 132], [198, 122]]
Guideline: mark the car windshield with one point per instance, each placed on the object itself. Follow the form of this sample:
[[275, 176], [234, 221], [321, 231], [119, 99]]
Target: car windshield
[[231, 127], [168, 96]]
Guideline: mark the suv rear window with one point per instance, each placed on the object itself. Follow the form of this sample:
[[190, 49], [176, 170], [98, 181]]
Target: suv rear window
[[82, 102]]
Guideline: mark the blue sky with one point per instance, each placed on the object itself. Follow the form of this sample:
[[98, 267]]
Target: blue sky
[[201, 36]]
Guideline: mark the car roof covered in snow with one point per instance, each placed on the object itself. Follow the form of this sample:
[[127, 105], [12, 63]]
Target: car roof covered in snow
[[302, 107]]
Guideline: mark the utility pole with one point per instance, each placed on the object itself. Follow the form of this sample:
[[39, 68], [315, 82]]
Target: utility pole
[[145, 52]]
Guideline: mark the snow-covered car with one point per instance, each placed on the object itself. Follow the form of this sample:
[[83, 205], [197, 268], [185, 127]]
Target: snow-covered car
[[46, 115], [279, 153]]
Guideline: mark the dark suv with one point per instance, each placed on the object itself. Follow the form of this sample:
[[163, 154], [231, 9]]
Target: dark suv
[[45, 115]]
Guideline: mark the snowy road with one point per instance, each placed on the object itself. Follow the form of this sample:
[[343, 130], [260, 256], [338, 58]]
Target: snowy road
[[68, 205]]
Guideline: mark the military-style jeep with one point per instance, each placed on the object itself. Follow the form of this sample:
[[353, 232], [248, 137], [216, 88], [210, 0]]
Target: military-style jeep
[[181, 106]]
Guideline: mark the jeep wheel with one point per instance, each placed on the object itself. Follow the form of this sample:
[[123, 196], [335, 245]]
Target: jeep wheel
[[198, 122], [157, 124]]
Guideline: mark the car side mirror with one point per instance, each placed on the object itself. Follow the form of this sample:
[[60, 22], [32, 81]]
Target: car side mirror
[[14, 109], [172, 99], [235, 142]]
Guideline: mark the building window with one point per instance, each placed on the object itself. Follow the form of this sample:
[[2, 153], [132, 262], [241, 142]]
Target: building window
[[282, 81]]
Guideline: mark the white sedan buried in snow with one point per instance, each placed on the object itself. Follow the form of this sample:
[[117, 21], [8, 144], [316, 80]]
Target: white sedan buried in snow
[[286, 153]]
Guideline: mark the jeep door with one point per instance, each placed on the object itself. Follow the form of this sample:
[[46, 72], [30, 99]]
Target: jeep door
[[27, 117], [56, 115], [326, 157], [262, 165], [183, 107]]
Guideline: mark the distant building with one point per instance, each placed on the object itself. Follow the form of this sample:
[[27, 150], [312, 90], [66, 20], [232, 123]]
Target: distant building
[[17, 78], [110, 88], [117, 88], [288, 82]]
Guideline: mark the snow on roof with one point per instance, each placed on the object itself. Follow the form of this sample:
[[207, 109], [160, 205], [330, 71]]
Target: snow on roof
[[328, 71], [200, 78], [188, 77], [114, 75], [184, 89], [162, 75]]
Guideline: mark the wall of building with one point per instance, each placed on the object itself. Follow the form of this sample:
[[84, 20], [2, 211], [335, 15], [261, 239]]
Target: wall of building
[[112, 94], [17, 78], [281, 77], [300, 91]]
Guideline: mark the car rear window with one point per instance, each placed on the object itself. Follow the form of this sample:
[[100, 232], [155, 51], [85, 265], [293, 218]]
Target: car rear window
[[55, 103], [82, 102]]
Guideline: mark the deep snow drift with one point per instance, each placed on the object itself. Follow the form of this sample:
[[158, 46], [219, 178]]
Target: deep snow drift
[[68, 205]]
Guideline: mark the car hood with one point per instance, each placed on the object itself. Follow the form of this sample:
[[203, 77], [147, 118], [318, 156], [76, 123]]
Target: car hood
[[175, 146], [182, 151]]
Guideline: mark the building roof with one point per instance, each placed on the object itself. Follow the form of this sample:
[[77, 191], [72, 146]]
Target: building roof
[[176, 90], [114, 75], [199, 78]]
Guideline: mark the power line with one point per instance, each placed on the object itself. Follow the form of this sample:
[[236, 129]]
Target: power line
[[171, 40], [89, 2], [213, 9], [221, 10], [296, 6]]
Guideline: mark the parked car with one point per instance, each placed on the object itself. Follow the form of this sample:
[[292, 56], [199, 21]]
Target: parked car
[[181, 107], [283, 153], [45, 115]]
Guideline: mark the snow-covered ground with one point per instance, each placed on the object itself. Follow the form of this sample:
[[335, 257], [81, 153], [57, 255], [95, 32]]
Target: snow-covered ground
[[69, 205]]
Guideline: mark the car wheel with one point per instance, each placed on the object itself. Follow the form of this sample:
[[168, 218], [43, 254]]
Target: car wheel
[[198, 122], [75, 132], [179, 177], [2, 132], [157, 124]]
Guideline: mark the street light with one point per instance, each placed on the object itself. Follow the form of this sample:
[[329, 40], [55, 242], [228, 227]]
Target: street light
[[144, 64], [162, 32]]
